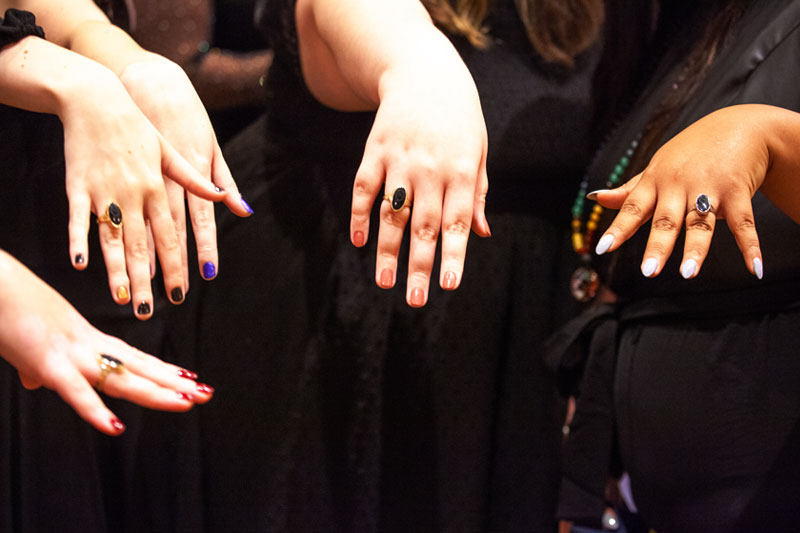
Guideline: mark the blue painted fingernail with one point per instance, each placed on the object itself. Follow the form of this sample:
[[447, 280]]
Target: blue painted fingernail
[[649, 267], [758, 268], [604, 244], [246, 206], [209, 270]]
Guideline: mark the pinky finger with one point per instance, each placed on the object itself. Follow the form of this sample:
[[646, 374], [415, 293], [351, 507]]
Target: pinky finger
[[479, 223], [79, 220], [224, 181], [742, 224], [76, 391]]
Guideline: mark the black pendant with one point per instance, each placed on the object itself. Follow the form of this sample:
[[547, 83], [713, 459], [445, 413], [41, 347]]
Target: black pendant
[[584, 284], [398, 199], [114, 214]]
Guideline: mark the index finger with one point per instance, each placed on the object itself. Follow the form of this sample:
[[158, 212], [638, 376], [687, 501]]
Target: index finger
[[635, 210]]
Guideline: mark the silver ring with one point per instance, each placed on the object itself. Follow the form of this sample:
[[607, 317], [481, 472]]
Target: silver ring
[[702, 205]]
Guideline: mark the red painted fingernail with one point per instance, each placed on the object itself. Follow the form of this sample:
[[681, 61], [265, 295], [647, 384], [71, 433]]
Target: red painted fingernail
[[358, 238], [417, 297], [184, 396], [205, 389], [116, 424], [450, 281], [187, 374], [386, 278]]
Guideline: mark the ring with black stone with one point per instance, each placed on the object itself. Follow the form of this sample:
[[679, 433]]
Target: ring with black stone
[[107, 364], [113, 215], [702, 205], [398, 199]]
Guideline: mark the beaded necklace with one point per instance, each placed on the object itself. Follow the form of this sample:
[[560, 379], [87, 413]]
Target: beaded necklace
[[585, 281]]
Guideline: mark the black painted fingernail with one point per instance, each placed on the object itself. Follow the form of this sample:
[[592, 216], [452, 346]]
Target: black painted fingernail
[[219, 189], [209, 270], [177, 295], [246, 206], [143, 309], [80, 259]]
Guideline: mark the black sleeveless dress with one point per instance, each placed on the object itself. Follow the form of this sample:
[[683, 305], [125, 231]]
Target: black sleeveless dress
[[339, 408]]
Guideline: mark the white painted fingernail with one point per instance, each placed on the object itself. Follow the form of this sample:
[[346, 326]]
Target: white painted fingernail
[[689, 268], [604, 244], [758, 268], [649, 267], [593, 195]]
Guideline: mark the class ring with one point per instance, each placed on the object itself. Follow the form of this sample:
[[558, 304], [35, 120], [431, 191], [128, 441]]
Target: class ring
[[398, 199], [112, 215]]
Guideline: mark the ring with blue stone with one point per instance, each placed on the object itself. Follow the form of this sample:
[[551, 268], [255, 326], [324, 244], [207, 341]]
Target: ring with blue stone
[[398, 199], [113, 215], [703, 205]]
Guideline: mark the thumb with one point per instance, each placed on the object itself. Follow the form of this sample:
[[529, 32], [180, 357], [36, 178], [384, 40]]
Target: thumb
[[614, 198]]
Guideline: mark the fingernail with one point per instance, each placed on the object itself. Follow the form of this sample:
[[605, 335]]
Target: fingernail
[[177, 295], [689, 268], [209, 270], [143, 309], [187, 374], [604, 244], [386, 278], [205, 389], [358, 238], [246, 206], [122, 293], [116, 424], [185, 396], [450, 281], [649, 267], [417, 297], [219, 189], [80, 259], [758, 268], [593, 195]]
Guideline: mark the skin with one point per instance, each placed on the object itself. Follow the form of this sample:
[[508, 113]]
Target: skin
[[428, 136], [52, 345], [162, 95], [727, 155]]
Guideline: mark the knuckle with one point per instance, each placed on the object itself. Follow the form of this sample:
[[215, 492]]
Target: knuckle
[[745, 223], [359, 219], [202, 216], [665, 223], [463, 172], [392, 218], [426, 231], [457, 227], [138, 250], [362, 186], [695, 250], [657, 248], [700, 224], [632, 208]]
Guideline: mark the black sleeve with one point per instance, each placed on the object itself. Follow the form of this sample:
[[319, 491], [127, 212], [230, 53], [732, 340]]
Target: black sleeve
[[16, 25]]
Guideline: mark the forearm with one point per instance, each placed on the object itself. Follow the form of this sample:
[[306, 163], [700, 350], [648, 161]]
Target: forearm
[[354, 50], [782, 182], [39, 76]]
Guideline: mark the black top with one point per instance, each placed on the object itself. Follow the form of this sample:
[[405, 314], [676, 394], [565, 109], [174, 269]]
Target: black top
[[16, 25]]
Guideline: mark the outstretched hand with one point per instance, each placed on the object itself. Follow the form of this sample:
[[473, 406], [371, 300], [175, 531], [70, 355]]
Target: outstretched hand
[[52, 345], [429, 139], [726, 156]]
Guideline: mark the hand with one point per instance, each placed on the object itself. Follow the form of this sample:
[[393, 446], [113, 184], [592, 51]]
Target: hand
[[114, 154], [726, 156], [429, 138], [52, 345], [165, 95]]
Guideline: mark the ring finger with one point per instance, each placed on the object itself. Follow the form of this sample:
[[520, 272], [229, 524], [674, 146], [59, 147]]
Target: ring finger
[[390, 233], [113, 248]]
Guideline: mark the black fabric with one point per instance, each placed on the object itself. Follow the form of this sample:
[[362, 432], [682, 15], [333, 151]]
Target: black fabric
[[704, 392], [346, 410], [16, 25]]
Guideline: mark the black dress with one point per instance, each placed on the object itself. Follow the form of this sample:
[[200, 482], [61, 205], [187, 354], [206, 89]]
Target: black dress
[[57, 473], [695, 381], [338, 407]]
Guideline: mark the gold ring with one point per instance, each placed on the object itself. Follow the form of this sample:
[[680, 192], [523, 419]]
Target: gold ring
[[113, 215], [398, 199], [107, 364]]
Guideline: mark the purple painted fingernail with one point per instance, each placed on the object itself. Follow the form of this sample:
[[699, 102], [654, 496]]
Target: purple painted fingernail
[[209, 270], [246, 206]]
